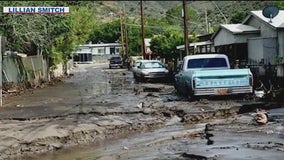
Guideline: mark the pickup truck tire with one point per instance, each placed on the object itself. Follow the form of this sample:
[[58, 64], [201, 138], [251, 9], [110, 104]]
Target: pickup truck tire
[[189, 94], [177, 89]]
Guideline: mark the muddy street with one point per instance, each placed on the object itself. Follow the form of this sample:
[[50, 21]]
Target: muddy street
[[101, 113]]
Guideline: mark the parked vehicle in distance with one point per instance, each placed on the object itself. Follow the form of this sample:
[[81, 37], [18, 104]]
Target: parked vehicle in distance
[[135, 65], [144, 70], [115, 61], [210, 74]]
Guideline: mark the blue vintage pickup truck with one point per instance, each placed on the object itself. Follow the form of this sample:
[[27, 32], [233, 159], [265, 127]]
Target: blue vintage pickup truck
[[210, 74]]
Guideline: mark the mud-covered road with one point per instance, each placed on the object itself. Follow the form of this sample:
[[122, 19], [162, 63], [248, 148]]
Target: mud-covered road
[[101, 113]]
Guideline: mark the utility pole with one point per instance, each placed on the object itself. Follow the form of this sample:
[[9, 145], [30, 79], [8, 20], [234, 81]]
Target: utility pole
[[142, 30], [1, 82], [125, 32], [126, 40], [186, 45], [122, 36], [206, 22]]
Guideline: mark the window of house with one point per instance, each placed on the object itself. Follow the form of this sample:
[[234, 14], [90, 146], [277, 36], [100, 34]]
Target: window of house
[[101, 50]]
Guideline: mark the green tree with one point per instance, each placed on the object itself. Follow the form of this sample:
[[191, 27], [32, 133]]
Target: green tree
[[164, 45], [238, 17], [174, 17], [108, 32], [78, 26], [55, 36], [280, 4]]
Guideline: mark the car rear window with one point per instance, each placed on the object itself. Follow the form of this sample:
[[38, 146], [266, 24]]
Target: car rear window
[[207, 63], [148, 65], [115, 58]]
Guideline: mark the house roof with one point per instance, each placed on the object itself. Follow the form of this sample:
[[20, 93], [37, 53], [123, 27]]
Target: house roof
[[181, 47], [237, 29], [101, 45], [277, 21]]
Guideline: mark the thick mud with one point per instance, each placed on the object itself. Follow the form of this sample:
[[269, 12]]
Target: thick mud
[[233, 138], [101, 113]]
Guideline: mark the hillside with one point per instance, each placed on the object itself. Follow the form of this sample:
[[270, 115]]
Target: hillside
[[107, 9], [218, 12]]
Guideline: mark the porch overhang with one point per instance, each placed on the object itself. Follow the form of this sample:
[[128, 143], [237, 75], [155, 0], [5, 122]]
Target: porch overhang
[[196, 44]]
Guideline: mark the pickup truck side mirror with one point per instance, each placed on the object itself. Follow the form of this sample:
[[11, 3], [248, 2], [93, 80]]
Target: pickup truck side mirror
[[138, 67]]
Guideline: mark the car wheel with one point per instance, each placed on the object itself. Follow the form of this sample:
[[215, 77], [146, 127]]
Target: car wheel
[[142, 78], [135, 77]]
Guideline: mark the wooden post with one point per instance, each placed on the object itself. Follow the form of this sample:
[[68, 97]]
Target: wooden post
[[1, 82], [142, 30], [186, 45], [122, 36]]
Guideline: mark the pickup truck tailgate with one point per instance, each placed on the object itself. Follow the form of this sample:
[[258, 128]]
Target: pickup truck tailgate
[[223, 81]]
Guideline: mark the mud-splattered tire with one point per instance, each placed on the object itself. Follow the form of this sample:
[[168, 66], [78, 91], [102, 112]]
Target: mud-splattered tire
[[135, 77]]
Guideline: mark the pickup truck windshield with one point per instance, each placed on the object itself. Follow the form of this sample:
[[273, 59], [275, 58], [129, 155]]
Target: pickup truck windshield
[[207, 63]]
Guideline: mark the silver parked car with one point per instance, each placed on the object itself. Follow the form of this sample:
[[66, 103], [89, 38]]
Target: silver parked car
[[149, 69]]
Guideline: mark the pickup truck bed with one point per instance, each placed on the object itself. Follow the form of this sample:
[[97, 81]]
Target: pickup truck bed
[[210, 74]]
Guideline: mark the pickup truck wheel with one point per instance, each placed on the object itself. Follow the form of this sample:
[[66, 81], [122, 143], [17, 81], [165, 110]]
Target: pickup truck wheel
[[176, 87], [193, 98], [189, 94]]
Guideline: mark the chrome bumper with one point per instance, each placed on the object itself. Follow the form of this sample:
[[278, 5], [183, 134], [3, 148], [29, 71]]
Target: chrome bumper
[[223, 91]]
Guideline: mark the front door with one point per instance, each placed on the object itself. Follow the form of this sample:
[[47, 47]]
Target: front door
[[112, 50]]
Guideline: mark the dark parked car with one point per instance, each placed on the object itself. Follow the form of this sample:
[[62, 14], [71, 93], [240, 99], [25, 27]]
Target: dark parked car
[[115, 62]]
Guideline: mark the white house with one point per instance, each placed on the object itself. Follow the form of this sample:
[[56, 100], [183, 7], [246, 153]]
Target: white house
[[100, 52], [101, 48], [256, 39]]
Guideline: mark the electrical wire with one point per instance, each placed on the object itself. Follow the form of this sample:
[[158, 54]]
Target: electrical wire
[[156, 27], [226, 20]]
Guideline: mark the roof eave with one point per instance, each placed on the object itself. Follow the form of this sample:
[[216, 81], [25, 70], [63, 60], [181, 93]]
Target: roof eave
[[215, 34], [247, 18], [247, 32]]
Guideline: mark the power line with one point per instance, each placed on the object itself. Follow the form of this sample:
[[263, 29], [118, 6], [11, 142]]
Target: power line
[[226, 20], [156, 27]]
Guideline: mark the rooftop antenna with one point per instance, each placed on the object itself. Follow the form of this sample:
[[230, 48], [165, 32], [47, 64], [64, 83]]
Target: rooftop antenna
[[270, 12]]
